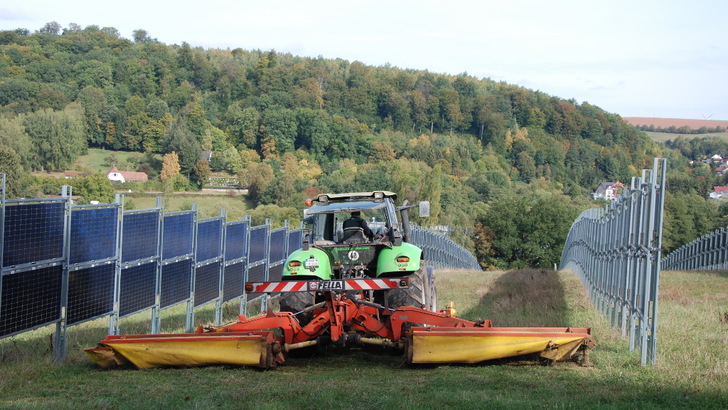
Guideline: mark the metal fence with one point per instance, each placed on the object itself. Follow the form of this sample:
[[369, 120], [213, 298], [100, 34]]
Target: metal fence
[[615, 251], [442, 252], [67, 264], [708, 252]]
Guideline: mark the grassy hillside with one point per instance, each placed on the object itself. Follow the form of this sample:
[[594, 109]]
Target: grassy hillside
[[97, 160], [692, 369]]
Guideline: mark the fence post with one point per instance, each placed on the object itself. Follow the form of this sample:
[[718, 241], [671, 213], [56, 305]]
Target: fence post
[[221, 271], [60, 348], [190, 310], [3, 181], [156, 309], [114, 318]]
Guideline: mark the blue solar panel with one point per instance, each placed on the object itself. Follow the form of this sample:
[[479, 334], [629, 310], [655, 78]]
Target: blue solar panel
[[209, 236], [233, 282], [140, 236], [258, 240], [207, 283], [178, 235], [93, 234], [277, 246], [90, 292], [295, 239], [33, 233], [176, 278], [30, 299], [235, 239], [137, 288]]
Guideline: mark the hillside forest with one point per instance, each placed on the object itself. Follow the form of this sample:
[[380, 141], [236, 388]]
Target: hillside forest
[[506, 169]]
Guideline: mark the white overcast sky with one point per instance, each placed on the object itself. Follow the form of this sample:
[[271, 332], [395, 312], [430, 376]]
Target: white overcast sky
[[635, 58]]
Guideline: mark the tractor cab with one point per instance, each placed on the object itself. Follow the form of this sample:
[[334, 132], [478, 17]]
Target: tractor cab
[[325, 221], [334, 250]]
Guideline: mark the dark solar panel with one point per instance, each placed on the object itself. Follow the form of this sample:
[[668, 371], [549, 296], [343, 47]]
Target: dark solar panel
[[90, 293], [137, 288], [207, 283], [33, 233], [233, 282], [176, 278], [275, 273], [30, 299], [256, 274]]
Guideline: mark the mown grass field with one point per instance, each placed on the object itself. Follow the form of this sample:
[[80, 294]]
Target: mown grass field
[[692, 368]]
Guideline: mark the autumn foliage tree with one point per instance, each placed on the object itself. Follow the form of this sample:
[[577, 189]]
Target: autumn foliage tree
[[170, 168]]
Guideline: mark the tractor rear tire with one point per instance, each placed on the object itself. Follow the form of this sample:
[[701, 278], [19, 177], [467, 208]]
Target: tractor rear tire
[[418, 294], [295, 302]]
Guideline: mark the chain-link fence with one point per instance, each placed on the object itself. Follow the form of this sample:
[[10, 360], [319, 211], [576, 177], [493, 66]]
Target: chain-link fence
[[616, 253]]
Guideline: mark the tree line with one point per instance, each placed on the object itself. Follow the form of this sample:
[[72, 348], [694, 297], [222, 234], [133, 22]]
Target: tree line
[[289, 127]]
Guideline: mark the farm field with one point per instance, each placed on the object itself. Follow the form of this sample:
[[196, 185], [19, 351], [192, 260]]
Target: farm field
[[691, 370], [675, 122], [665, 136]]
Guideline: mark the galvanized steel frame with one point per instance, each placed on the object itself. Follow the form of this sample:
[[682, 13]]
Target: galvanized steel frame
[[708, 252], [615, 251]]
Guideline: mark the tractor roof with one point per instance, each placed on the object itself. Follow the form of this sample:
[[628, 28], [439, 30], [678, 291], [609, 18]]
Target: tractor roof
[[356, 196], [340, 207]]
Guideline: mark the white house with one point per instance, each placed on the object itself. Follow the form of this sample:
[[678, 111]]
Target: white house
[[124, 176], [607, 190], [719, 192]]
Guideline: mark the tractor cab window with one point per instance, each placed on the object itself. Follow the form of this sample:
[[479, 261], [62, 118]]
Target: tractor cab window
[[328, 228]]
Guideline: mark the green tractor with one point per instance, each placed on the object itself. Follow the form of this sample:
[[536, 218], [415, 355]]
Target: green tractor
[[337, 246]]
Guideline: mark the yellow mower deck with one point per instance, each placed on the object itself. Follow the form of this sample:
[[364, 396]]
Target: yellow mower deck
[[425, 337]]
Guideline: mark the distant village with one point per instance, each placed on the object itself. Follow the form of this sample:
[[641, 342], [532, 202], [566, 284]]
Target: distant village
[[611, 190]]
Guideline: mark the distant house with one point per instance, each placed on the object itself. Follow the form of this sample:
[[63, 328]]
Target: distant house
[[719, 192], [719, 171], [206, 155], [715, 159], [124, 176], [607, 190]]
